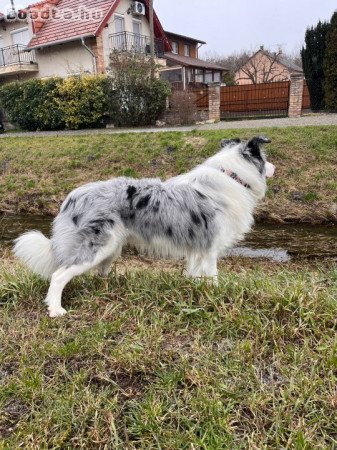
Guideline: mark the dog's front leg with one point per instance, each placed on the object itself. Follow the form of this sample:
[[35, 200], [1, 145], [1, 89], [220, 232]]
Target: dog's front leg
[[209, 267]]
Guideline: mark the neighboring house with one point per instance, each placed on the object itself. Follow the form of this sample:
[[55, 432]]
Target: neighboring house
[[64, 37], [266, 67], [184, 66]]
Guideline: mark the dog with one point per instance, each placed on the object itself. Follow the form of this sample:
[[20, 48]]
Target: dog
[[196, 216]]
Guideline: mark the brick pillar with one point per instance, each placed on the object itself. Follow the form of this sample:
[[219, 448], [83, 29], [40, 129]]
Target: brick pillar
[[97, 48], [295, 95], [214, 102]]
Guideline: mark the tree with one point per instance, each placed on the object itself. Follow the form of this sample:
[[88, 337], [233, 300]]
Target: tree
[[312, 57], [330, 66], [136, 99]]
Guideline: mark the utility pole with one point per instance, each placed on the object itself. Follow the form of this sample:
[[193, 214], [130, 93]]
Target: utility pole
[[151, 37]]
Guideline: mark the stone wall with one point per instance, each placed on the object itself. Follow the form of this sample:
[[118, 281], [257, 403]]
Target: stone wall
[[295, 95]]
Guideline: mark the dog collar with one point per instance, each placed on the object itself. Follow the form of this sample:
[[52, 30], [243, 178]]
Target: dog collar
[[235, 177]]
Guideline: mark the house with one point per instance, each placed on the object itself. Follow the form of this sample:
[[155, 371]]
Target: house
[[64, 37], [184, 66], [266, 67]]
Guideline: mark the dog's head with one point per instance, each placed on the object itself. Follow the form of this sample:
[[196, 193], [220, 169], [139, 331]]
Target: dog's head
[[252, 152]]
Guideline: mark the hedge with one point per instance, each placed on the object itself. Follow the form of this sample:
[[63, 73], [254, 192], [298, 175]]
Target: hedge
[[80, 102]]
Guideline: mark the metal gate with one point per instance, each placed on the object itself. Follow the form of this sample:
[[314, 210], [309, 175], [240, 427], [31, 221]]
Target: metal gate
[[255, 100]]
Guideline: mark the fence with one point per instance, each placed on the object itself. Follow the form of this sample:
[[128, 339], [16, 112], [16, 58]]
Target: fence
[[137, 43], [282, 98], [264, 99], [306, 105], [202, 96], [16, 54]]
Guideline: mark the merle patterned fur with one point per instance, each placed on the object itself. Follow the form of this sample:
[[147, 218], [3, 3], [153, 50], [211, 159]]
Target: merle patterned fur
[[195, 216]]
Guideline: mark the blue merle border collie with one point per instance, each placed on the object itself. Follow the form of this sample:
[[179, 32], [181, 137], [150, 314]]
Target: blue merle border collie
[[196, 216]]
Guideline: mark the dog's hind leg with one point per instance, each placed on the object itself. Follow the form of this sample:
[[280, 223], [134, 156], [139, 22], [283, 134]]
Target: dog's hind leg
[[105, 267], [59, 280]]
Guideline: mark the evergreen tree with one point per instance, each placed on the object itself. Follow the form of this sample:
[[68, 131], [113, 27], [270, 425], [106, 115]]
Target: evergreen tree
[[330, 66], [312, 57]]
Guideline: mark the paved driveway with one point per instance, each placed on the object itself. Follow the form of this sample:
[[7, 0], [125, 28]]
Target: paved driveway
[[309, 120]]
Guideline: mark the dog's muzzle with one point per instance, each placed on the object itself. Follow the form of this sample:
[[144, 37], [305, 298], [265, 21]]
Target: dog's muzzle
[[270, 169]]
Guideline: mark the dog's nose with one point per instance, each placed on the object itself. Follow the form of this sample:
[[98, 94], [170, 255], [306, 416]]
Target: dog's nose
[[270, 170]]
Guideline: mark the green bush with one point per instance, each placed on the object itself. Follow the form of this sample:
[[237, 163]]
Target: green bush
[[136, 98], [131, 97], [33, 104], [56, 103], [83, 101]]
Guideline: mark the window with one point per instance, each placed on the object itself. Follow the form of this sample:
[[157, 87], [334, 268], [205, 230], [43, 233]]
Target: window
[[199, 76], [136, 26], [208, 76], [187, 50], [119, 41], [2, 44], [119, 24], [20, 36], [136, 38], [217, 77], [175, 48]]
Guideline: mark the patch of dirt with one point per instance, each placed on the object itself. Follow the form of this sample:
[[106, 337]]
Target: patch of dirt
[[11, 415], [196, 141]]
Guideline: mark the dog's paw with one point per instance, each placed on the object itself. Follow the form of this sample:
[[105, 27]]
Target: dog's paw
[[103, 273], [57, 312]]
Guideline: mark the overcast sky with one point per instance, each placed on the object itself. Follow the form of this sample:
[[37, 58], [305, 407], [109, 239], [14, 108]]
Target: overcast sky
[[231, 25]]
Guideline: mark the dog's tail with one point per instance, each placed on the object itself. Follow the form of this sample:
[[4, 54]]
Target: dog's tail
[[34, 249]]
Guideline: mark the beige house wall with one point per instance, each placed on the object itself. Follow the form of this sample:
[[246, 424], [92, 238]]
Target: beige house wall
[[110, 29], [6, 29], [262, 64], [64, 60]]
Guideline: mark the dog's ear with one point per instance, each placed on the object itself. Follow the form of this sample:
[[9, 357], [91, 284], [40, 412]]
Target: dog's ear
[[226, 142], [254, 145]]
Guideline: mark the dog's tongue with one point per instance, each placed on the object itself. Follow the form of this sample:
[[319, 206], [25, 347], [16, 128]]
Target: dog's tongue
[[270, 170]]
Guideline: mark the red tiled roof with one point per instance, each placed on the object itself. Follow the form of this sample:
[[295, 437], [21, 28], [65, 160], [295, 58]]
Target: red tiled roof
[[61, 29], [56, 30]]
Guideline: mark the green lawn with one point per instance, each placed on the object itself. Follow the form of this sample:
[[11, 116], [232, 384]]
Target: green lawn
[[37, 173], [147, 359]]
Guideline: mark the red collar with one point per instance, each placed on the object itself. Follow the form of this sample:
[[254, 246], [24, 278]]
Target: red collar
[[235, 177]]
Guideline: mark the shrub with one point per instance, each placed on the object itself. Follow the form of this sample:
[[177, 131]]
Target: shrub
[[83, 101], [33, 104], [56, 103], [136, 99], [183, 108], [130, 95]]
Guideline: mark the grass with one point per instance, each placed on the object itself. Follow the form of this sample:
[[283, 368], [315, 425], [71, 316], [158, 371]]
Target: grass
[[37, 173], [147, 359]]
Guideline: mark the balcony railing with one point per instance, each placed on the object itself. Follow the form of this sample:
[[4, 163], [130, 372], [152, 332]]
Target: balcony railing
[[131, 42], [15, 55]]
